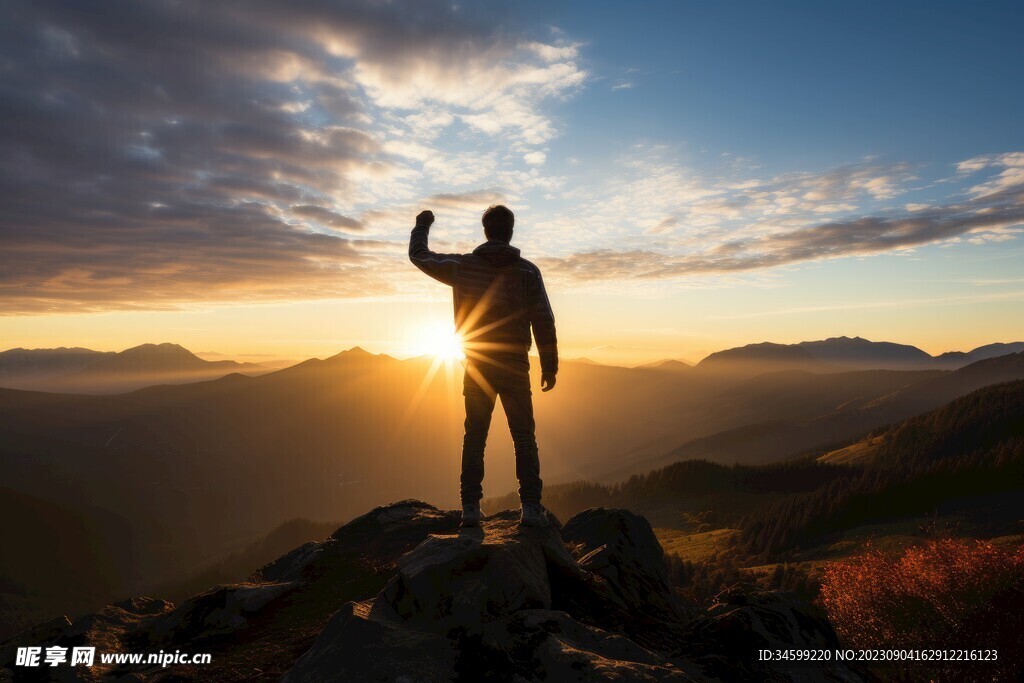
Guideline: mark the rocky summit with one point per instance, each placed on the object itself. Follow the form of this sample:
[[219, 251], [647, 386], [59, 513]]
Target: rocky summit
[[402, 594]]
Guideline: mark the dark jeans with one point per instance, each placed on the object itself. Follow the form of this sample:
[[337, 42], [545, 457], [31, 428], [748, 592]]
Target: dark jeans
[[484, 381]]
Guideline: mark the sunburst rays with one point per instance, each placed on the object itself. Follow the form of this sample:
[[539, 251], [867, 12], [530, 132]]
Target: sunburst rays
[[473, 349]]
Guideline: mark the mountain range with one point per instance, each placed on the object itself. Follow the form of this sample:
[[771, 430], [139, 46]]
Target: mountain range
[[839, 354], [79, 370], [769, 440]]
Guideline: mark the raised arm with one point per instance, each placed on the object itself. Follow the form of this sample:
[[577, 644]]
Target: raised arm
[[441, 267], [542, 319]]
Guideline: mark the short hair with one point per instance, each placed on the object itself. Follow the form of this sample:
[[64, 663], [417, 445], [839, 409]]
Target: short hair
[[498, 221]]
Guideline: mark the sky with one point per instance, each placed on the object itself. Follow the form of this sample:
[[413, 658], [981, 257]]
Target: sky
[[241, 177]]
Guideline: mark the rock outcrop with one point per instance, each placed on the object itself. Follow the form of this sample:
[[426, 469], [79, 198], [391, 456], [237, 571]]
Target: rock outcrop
[[482, 605], [402, 594]]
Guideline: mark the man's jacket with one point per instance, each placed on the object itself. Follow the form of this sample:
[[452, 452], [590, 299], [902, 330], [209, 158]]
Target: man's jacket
[[498, 297]]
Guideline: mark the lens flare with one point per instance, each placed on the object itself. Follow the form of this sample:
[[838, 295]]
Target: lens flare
[[439, 341]]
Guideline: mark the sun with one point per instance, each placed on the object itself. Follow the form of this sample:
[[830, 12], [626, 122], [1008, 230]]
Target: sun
[[440, 341], [443, 345]]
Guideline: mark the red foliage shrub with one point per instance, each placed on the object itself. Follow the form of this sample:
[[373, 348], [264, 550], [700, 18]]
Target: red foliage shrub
[[948, 593]]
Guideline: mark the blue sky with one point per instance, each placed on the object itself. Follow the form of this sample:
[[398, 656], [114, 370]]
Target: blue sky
[[799, 84], [689, 175]]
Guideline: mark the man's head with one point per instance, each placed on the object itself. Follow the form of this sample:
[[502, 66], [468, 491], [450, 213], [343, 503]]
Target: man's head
[[498, 221]]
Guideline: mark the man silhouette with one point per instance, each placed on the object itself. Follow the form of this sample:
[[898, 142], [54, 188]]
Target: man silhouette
[[498, 297]]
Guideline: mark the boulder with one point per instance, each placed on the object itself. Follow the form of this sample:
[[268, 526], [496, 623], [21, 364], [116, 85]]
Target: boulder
[[726, 638], [477, 605], [290, 567], [40, 634], [550, 645], [355, 646], [620, 547], [109, 629], [396, 518], [462, 581], [219, 611]]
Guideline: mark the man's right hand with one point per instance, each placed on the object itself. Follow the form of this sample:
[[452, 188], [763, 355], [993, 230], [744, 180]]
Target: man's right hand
[[425, 218], [547, 381]]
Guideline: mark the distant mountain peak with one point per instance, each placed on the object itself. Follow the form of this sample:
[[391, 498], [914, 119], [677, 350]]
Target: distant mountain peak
[[833, 354], [355, 353], [166, 348], [842, 338], [759, 353], [667, 364], [855, 341]]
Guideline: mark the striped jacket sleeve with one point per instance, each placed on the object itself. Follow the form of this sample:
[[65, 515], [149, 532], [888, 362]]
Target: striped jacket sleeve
[[442, 267]]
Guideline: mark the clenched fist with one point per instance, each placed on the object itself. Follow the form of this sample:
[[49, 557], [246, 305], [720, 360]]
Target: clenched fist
[[425, 218]]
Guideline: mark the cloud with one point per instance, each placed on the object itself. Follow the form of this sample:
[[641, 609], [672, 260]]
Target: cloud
[[1009, 179], [680, 223], [157, 153], [191, 254], [477, 200], [461, 169], [623, 85], [855, 237], [664, 226], [458, 227], [327, 217], [554, 53], [426, 125], [535, 158]]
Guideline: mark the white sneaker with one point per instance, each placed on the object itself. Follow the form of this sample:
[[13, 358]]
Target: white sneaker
[[534, 514]]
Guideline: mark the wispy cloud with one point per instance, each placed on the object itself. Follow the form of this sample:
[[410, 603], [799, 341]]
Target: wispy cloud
[[327, 217], [680, 223]]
